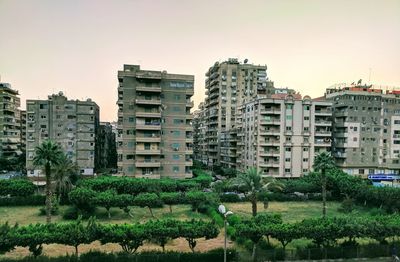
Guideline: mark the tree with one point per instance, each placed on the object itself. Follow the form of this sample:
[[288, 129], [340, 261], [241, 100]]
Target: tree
[[129, 236], [252, 183], [6, 239], [63, 173], [171, 198], [48, 155], [324, 162], [161, 231], [149, 200], [107, 200], [76, 233], [193, 229], [83, 199]]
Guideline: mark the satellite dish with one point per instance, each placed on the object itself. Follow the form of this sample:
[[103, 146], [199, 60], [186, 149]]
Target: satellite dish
[[245, 61]]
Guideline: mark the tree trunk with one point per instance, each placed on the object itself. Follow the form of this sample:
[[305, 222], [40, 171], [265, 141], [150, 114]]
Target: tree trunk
[[253, 255], [323, 193], [151, 212], [170, 208], [108, 213], [48, 193], [76, 251], [254, 206]]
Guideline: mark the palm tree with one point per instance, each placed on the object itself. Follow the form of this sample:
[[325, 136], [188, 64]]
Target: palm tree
[[253, 183], [63, 172], [47, 155], [323, 162]]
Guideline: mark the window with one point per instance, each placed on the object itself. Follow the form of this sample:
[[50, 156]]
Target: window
[[129, 157], [130, 144], [288, 128], [355, 129], [43, 106], [146, 146], [306, 107], [396, 122], [355, 139], [289, 117], [43, 126], [288, 139], [176, 109], [287, 159], [175, 169], [361, 171], [43, 117], [305, 170], [175, 157], [289, 106], [305, 149], [178, 121], [305, 139], [177, 97], [306, 129], [131, 119], [288, 149], [287, 170], [305, 159], [306, 118], [176, 133]]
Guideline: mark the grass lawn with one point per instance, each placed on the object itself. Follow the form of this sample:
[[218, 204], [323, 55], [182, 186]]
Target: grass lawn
[[292, 211]]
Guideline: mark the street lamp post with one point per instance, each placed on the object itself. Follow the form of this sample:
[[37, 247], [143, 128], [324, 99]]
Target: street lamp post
[[223, 211]]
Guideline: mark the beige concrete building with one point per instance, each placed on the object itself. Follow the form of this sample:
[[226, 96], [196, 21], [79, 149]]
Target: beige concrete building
[[73, 124], [155, 132], [228, 85], [10, 122], [281, 136], [366, 125]]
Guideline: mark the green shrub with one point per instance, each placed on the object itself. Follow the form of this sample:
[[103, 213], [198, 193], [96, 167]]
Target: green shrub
[[17, 187], [34, 200]]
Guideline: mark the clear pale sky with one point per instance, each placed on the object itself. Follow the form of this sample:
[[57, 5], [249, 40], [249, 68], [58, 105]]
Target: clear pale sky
[[78, 46]]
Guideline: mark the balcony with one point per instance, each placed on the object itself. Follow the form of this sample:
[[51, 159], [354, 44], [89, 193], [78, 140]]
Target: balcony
[[147, 163], [323, 133], [154, 139], [155, 89], [270, 143], [322, 142], [273, 153], [270, 164], [270, 122], [323, 112], [148, 152], [189, 104], [270, 111], [340, 155], [189, 163], [323, 123], [148, 101], [270, 133], [151, 175], [148, 114], [189, 150], [148, 75], [148, 126]]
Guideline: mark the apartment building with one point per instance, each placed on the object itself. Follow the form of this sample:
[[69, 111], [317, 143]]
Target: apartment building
[[106, 149], [366, 129], [199, 127], [10, 122], [281, 136], [73, 124], [155, 132], [23, 130], [229, 85]]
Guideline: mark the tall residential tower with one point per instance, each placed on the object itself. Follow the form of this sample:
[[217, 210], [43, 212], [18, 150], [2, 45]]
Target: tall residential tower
[[155, 133]]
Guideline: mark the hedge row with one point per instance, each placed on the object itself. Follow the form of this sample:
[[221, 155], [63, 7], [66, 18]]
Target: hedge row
[[94, 256], [323, 232], [34, 200], [134, 186], [87, 199], [129, 236], [16, 187]]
